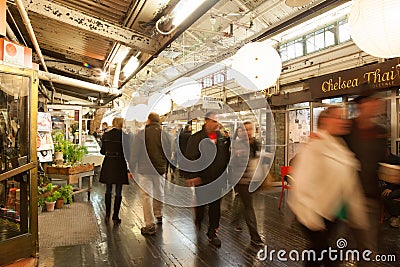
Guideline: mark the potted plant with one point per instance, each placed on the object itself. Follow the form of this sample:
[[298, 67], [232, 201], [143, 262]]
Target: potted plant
[[59, 199], [49, 195], [50, 202], [40, 204], [59, 147], [66, 193], [41, 194], [75, 153]]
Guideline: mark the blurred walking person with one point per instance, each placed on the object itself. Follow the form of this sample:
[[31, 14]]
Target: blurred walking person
[[114, 169], [245, 158], [181, 145], [209, 138], [150, 150], [368, 141], [326, 184]]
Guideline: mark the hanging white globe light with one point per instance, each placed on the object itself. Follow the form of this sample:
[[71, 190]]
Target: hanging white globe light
[[185, 91], [258, 66], [140, 112], [159, 103], [374, 27], [127, 113]]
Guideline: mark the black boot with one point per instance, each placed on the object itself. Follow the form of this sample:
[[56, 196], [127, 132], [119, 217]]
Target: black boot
[[117, 206], [108, 207]]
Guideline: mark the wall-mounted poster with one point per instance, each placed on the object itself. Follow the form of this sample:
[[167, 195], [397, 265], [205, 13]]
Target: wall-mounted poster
[[44, 122]]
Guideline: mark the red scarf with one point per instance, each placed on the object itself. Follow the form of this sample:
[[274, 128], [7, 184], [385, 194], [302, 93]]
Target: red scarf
[[213, 137]]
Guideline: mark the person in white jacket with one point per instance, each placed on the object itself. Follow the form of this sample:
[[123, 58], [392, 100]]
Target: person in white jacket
[[326, 184]]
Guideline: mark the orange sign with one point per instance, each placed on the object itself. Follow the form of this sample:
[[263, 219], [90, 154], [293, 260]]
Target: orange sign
[[3, 22], [15, 54]]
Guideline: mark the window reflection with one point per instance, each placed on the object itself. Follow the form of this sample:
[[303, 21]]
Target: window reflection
[[14, 147]]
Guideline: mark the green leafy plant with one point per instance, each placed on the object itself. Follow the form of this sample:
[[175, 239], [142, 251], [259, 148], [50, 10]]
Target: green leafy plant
[[66, 193], [72, 153], [49, 193], [75, 153], [59, 142], [53, 197]]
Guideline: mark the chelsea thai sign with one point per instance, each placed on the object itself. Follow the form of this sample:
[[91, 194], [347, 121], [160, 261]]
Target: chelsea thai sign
[[379, 76]]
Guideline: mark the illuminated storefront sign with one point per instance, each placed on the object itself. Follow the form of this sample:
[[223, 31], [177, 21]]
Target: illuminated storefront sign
[[379, 76]]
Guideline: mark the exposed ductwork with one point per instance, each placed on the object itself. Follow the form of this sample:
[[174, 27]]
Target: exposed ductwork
[[29, 28], [45, 75], [78, 83]]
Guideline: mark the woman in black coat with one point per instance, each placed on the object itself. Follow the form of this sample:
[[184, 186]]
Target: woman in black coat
[[114, 169]]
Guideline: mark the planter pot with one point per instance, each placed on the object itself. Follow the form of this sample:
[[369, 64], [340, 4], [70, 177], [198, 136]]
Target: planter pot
[[50, 206], [59, 203], [70, 169]]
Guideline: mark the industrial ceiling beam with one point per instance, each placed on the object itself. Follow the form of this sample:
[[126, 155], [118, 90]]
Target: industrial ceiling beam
[[166, 41], [77, 19], [73, 69]]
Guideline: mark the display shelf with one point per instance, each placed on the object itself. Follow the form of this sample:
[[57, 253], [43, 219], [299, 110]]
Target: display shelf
[[93, 156]]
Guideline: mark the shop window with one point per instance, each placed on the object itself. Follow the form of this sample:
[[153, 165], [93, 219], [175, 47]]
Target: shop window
[[299, 130], [14, 149], [219, 78], [344, 31], [333, 100], [292, 49], [207, 82], [320, 39]]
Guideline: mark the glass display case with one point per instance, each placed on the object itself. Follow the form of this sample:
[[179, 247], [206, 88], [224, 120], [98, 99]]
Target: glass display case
[[67, 119], [18, 163], [93, 156]]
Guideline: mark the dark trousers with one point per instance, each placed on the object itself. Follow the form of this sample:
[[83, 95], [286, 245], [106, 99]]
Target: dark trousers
[[319, 242], [118, 189], [248, 210], [214, 215], [392, 205]]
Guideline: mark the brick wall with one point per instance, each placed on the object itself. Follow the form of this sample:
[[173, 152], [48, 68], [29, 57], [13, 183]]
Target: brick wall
[[96, 122]]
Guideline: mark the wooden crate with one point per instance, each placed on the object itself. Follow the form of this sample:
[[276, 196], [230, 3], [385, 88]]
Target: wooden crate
[[70, 170]]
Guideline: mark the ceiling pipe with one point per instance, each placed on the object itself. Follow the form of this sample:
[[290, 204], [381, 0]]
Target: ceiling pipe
[[47, 76], [13, 37], [11, 34], [28, 25]]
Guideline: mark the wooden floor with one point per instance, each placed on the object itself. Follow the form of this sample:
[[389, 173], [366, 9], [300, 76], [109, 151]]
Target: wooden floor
[[177, 243]]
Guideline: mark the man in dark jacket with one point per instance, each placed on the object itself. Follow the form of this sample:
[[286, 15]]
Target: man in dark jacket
[[367, 141], [209, 167], [148, 162]]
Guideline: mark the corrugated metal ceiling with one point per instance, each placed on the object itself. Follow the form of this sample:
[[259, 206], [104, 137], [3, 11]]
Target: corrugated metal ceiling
[[208, 39]]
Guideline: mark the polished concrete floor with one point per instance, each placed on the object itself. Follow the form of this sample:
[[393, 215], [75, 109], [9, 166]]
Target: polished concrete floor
[[178, 244]]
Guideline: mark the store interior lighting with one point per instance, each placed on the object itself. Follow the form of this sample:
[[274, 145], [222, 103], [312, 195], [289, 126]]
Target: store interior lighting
[[131, 66], [183, 10]]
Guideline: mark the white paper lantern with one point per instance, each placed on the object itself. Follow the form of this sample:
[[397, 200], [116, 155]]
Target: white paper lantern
[[159, 103], [374, 27], [185, 92], [127, 113], [140, 112], [259, 65]]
